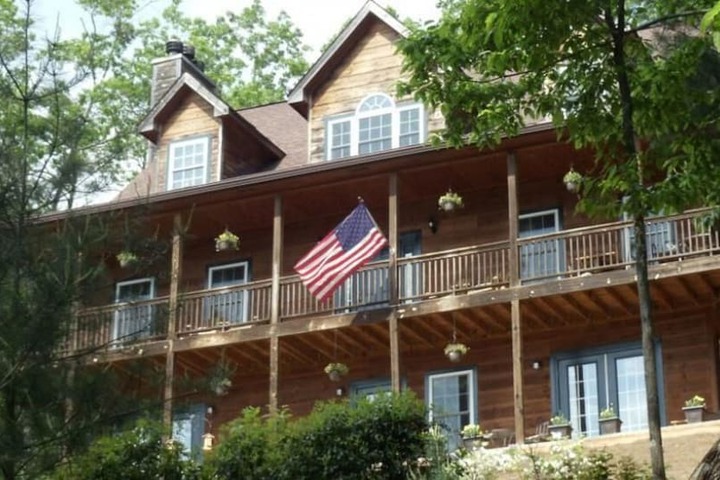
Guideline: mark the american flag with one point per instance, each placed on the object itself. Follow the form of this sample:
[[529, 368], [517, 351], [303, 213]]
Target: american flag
[[349, 246]]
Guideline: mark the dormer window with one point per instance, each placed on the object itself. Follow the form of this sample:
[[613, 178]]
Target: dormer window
[[378, 124], [188, 163]]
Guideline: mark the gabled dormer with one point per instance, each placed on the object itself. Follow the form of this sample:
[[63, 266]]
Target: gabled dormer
[[349, 95], [195, 137]]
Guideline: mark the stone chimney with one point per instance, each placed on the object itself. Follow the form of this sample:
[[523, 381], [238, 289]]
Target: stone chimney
[[179, 59]]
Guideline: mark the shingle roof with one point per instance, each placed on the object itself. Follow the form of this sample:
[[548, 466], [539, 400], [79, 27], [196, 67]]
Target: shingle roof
[[284, 127]]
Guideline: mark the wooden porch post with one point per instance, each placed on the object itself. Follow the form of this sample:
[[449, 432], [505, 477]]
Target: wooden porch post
[[275, 303], [175, 276], [393, 284], [517, 347]]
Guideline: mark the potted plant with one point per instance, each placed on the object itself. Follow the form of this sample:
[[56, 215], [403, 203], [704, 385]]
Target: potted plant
[[336, 370], [450, 201], [559, 427], [572, 180], [609, 421], [694, 409], [455, 351], [472, 436], [126, 258], [226, 241]]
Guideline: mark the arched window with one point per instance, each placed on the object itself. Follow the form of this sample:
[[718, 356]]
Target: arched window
[[377, 124]]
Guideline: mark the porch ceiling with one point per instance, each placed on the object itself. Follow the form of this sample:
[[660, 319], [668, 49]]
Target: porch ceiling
[[431, 332]]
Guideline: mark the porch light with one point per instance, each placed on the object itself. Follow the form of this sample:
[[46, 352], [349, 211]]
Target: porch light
[[433, 224], [208, 441]]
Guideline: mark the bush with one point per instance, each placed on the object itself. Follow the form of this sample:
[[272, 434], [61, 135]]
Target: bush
[[138, 454], [250, 447], [377, 439]]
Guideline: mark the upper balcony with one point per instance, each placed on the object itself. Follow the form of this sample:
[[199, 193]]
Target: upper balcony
[[480, 274]]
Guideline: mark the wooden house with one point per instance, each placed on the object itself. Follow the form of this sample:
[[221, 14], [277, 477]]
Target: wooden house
[[544, 298]]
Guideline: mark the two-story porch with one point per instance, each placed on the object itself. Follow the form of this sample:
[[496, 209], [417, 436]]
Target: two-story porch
[[544, 298]]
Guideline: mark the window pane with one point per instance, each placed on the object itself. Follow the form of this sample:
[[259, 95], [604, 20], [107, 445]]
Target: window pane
[[375, 102], [340, 140], [632, 404], [451, 402], [375, 133], [409, 127], [188, 163], [583, 396]]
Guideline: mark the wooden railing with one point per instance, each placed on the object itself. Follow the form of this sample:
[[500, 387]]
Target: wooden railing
[[576, 252], [598, 248], [112, 326], [224, 307], [453, 271]]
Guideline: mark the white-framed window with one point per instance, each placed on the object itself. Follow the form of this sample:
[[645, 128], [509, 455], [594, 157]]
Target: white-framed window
[[133, 319], [188, 162], [378, 124], [228, 304], [452, 397]]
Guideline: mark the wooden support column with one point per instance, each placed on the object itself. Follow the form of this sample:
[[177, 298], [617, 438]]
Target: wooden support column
[[516, 327], [393, 284], [175, 277], [275, 303]]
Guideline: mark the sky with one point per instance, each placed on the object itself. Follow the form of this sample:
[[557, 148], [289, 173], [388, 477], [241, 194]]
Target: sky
[[317, 19]]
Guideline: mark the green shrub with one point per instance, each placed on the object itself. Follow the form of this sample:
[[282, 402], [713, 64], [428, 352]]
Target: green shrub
[[138, 454], [250, 447], [376, 439]]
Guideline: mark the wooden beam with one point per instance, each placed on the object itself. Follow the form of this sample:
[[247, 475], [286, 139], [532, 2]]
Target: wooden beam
[[517, 362], [613, 293], [392, 282], [689, 291], [175, 278], [407, 331], [528, 314], [513, 260], [574, 305], [277, 251]]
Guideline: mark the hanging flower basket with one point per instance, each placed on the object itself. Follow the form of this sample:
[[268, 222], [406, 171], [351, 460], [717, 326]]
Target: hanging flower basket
[[226, 241], [126, 259], [450, 201], [455, 351], [572, 180], [335, 371]]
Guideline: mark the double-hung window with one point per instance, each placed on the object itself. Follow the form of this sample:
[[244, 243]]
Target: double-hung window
[[188, 163], [377, 124]]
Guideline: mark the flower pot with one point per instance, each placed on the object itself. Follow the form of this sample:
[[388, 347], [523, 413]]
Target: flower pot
[[558, 432], [572, 187], [473, 443], [334, 375], [454, 356], [127, 263], [448, 206], [223, 245], [610, 425], [694, 414]]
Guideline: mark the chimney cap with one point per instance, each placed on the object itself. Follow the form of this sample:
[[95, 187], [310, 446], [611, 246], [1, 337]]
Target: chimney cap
[[189, 51], [174, 46]]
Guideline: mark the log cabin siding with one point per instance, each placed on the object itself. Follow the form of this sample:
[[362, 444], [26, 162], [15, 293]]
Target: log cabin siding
[[685, 365], [193, 118]]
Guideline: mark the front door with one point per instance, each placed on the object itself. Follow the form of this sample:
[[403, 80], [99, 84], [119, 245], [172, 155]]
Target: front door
[[133, 321], [227, 304]]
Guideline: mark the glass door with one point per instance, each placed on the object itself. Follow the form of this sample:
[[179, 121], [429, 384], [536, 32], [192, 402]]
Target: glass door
[[131, 321], [226, 305], [542, 258], [591, 383]]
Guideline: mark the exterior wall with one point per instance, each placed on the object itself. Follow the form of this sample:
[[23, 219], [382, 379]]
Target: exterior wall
[[371, 67], [686, 359], [192, 118]]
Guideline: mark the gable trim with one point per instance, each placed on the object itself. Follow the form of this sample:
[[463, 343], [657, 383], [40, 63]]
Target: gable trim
[[148, 127], [298, 94]]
